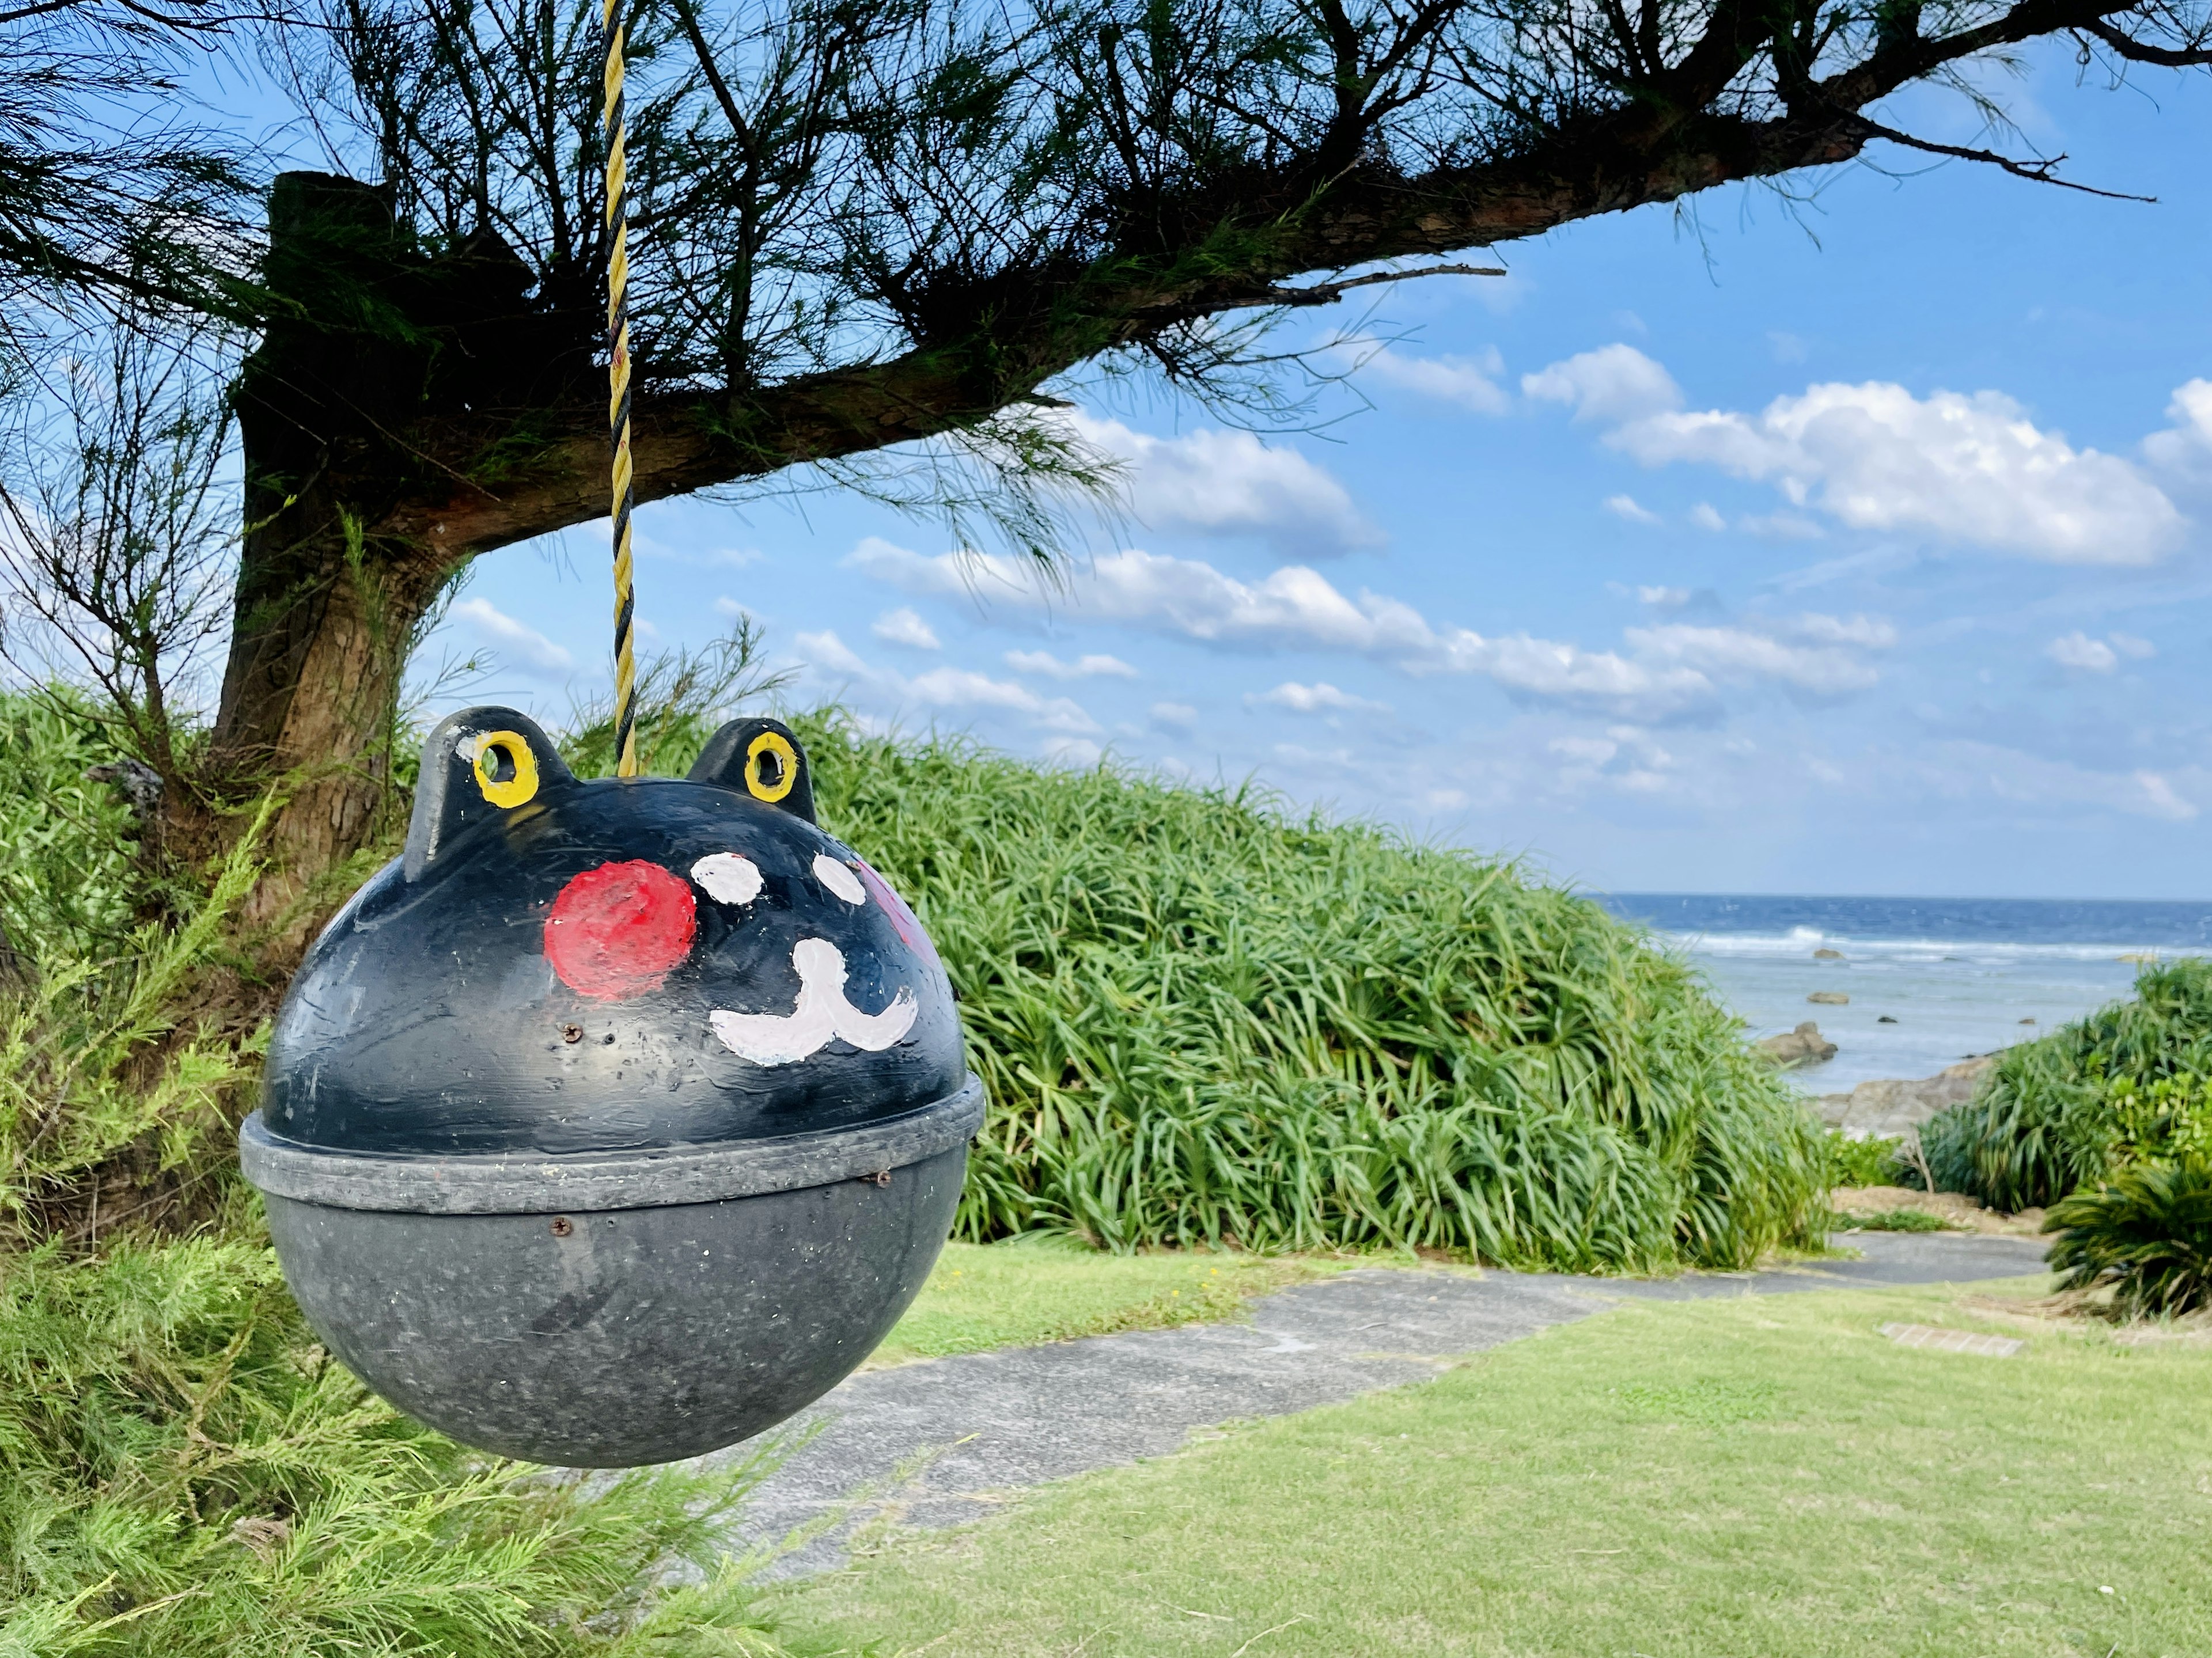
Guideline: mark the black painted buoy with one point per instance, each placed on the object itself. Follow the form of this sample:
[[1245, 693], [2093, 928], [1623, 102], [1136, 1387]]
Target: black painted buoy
[[617, 1120]]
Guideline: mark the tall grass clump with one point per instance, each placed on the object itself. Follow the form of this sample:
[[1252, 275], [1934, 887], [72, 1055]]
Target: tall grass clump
[[1201, 1019], [184, 1471], [184, 1474], [2131, 1083]]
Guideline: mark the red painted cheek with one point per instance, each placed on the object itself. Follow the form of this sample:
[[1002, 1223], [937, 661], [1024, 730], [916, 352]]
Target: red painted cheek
[[616, 930]]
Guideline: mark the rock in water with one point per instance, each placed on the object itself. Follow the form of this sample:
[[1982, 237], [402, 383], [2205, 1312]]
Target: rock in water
[[1830, 999], [1882, 1109], [1824, 954], [1803, 1046]]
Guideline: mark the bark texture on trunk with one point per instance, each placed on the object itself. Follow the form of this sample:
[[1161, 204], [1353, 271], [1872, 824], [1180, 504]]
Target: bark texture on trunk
[[374, 341]]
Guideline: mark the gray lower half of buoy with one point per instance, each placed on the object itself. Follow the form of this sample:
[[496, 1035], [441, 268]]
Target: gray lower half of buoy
[[632, 1332]]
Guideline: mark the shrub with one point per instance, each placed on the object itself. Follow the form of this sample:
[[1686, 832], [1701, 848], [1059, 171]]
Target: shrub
[[2146, 1235], [2127, 1083], [1899, 1220], [1201, 1018], [1869, 1162]]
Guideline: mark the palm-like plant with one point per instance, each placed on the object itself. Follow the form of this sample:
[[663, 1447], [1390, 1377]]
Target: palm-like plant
[[2146, 1233]]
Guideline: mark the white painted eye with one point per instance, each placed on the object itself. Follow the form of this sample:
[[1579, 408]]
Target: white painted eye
[[839, 879], [728, 878]]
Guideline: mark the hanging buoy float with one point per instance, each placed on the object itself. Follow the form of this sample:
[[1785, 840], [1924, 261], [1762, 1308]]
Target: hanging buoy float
[[617, 1120]]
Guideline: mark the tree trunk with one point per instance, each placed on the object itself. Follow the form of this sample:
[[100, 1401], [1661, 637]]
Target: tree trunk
[[327, 604]]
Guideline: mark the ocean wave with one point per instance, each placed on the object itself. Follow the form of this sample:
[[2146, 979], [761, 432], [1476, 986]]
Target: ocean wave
[[1803, 941]]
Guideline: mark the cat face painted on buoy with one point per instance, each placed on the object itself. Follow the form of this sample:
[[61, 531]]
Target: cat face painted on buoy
[[562, 966]]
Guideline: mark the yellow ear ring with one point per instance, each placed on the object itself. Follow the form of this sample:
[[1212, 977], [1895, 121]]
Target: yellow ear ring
[[771, 767], [507, 771]]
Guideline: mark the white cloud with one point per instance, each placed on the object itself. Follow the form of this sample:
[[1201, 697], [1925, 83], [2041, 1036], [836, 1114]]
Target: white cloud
[[1870, 631], [1625, 758], [1230, 483], [1780, 526], [1078, 753], [1739, 652], [708, 558], [1971, 469], [1613, 383], [1174, 716], [1598, 682], [825, 655], [2140, 649], [1628, 507], [1585, 751], [963, 688], [905, 626], [1706, 517], [525, 645], [1962, 769], [2078, 650], [2186, 447], [2155, 798], [1470, 382], [1295, 607], [1086, 667], [1319, 698], [1664, 598]]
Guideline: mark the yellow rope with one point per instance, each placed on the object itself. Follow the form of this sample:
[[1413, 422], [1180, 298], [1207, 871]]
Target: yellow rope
[[618, 390]]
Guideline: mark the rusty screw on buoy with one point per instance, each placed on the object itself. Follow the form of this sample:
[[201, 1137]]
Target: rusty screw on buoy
[[572, 1033], [561, 1226]]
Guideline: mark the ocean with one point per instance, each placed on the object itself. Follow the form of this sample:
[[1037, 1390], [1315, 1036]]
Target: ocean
[[1961, 976]]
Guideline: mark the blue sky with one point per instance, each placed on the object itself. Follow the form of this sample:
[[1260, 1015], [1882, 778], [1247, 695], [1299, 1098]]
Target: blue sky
[[1855, 544]]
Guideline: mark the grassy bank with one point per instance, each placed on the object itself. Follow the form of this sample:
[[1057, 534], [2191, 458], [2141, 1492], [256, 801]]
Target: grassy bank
[[1042, 1288], [1202, 1019], [1767, 1477]]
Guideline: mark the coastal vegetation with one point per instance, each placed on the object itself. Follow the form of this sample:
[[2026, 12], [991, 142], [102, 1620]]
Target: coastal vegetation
[[183, 1470], [1203, 1022], [2108, 1121], [2131, 1083], [2145, 1234], [1868, 1160]]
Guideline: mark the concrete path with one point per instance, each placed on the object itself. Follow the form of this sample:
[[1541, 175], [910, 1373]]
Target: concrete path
[[989, 1424]]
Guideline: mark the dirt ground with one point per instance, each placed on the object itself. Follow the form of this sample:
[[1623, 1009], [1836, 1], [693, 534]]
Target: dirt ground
[[1962, 1212]]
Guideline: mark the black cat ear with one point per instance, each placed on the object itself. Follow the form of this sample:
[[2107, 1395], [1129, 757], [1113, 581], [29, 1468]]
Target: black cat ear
[[478, 764], [760, 758]]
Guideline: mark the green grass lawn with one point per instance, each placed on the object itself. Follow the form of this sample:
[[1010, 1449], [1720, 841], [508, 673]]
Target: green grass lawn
[[1760, 1477], [1039, 1289]]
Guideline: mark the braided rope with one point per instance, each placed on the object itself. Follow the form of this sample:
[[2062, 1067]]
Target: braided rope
[[618, 390]]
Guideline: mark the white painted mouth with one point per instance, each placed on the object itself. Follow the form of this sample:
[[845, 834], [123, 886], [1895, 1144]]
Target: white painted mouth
[[820, 1015]]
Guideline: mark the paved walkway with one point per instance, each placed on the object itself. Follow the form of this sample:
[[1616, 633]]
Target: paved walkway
[[992, 1422]]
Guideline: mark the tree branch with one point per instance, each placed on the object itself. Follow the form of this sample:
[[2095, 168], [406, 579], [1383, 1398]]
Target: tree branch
[[2138, 52], [1330, 293], [2040, 170]]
